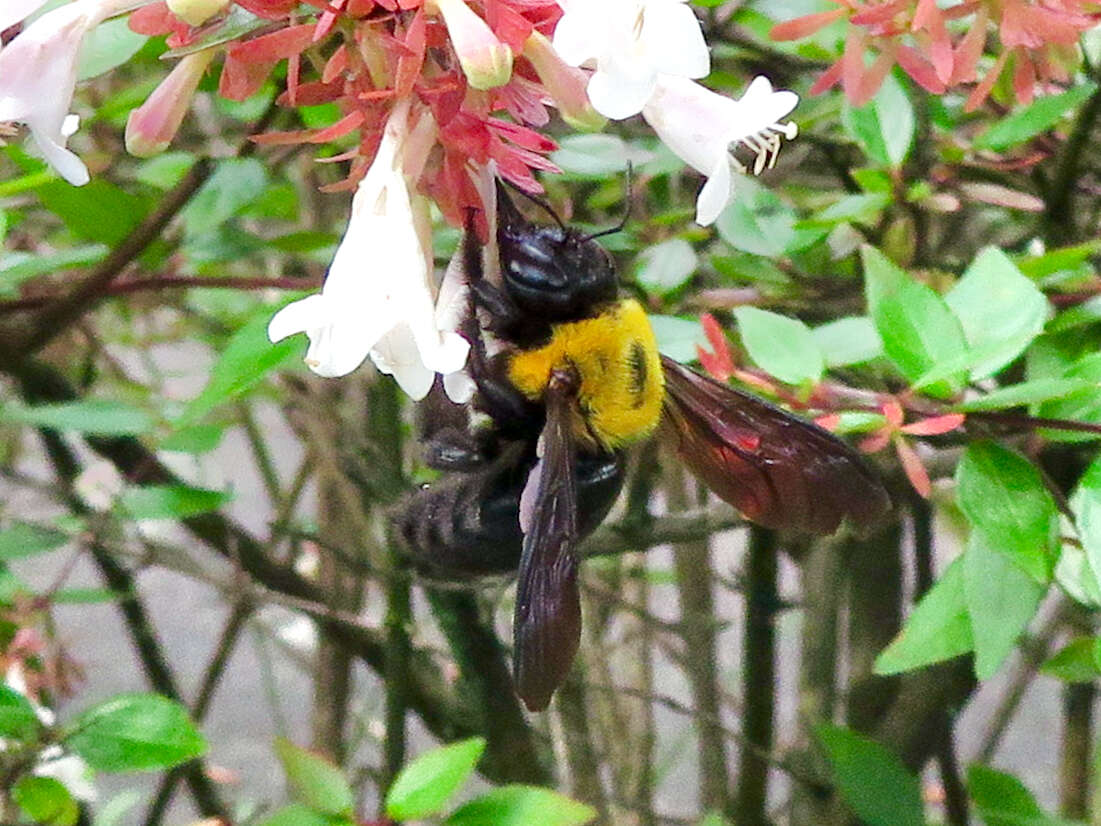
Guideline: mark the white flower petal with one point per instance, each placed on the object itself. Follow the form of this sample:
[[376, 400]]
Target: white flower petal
[[378, 298], [701, 127], [338, 348], [674, 38], [67, 163], [619, 96], [575, 39], [297, 317], [15, 10], [630, 42], [397, 355], [715, 194], [459, 387]]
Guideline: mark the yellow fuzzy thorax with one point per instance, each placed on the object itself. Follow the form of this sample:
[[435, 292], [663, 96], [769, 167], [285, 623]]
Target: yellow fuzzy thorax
[[616, 357]]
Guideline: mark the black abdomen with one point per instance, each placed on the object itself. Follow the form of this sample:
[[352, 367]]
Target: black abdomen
[[468, 524]]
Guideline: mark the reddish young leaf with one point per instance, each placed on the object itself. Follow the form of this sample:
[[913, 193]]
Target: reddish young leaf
[[935, 425], [719, 362], [511, 27], [913, 467], [241, 80], [410, 63], [921, 70], [269, 9], [804, 26], [271, 48], [342, 127]]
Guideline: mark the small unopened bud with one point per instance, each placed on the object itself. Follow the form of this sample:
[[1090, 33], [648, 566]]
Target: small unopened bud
[[486, 61], [196, 12], [152, 126], [565, 84]]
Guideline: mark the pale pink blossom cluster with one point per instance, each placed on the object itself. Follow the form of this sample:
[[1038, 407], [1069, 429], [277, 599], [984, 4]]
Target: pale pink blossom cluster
[[429, 126]]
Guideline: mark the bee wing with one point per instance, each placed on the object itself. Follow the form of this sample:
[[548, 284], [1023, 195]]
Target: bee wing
[[778, 470], [547, 625]]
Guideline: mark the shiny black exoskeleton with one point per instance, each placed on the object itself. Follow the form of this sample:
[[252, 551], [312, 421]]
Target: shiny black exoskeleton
[[467, 524]]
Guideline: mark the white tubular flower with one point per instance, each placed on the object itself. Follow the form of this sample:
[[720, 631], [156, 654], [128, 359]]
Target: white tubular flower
[[378, 297], [38, 76], [15, 10], [702, 127], [630, 42]]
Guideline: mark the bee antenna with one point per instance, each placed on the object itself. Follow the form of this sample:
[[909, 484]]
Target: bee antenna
[[539, 202], [626, 212]]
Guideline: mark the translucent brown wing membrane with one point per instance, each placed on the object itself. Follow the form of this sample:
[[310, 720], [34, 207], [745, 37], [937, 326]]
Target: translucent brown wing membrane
[[778, 470], [547, 626]]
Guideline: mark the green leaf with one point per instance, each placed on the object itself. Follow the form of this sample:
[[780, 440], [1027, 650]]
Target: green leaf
[[1058, 259], [884, 127], [939, 627], [196, 439], [596, 155], [45, 800], [883, 278], [714, 819], [17, 267], [99, 211], [307, 241], [17, 717], [1075, 576], [165, 170], [235, 184], [678, 337], [850, 340], [997, 305], [1085, 504], [96, 416], [108, 45], [758, 222], [135, 732], [872, 779], [111, 812], [1001, 601], [23, 539], [916, 326], [666, 267], [864, 208], [1076, 662], [784, 347], [1001, 799], [238, 22], [1025, 393], [314, 781], [298, 815], [1003, 497], [1080, 405], [170, 501], [1029, 122], [517, 805], [425, 785], [247, 358]]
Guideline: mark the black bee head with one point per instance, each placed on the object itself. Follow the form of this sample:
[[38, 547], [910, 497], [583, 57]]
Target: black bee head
[[551, 271]]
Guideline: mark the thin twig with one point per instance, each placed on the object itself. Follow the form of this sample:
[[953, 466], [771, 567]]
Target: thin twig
[[171, 282]]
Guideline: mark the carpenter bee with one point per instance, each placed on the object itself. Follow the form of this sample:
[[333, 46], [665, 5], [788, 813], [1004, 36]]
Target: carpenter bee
[[578, 379]]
